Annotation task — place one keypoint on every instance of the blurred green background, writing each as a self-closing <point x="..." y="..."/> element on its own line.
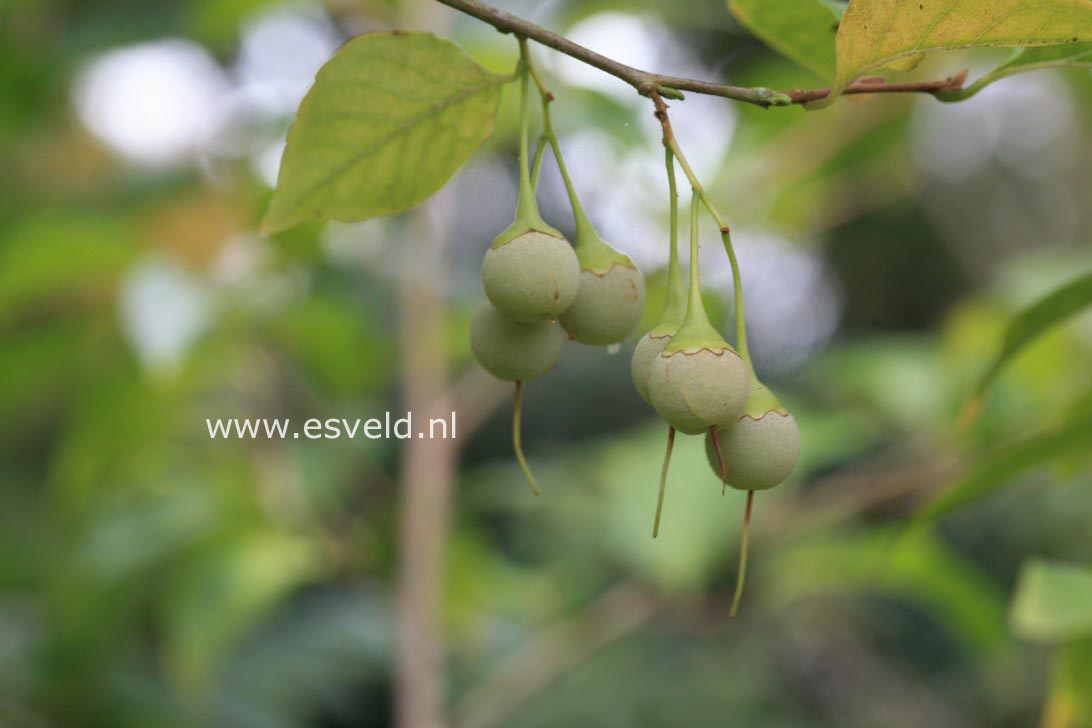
<point x="151" y="576"/>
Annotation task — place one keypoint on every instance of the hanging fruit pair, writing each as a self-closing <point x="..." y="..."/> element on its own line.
<point x="699" y="384"/>
<point x="533" y="277"/>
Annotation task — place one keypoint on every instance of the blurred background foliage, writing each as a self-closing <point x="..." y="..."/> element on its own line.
<point x="152" y="576"/>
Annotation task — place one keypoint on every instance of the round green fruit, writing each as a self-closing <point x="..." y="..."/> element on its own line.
<point x="512" y="350"/>
<point x="607" y="307"/>
<point x="650" y="346"/>
<point x="532" y="276"/>
<point x="759" y="452"/>
<point x="696" y="390"/>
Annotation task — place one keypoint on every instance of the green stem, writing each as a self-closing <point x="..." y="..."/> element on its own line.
<point x="715" y="437"/>
<point x="737" y="291"/>
<point x="696" y="332"/>
<point x="725" y="233"/>
<point x="674" y="311"/>
<point x="673" y="277"/>
<point x="527" y="215"/>
<point x="536" y="164"/>
<point x="741" y="576"/>
<point x="527" y="208"/>
<point x="585" y="231"/>
<point x="516" y="443"/>
<point x="696" y="307"/>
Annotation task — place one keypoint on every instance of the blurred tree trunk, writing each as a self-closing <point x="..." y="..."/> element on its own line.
<point x="427" y="473"/>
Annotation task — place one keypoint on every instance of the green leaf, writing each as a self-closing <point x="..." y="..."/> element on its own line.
<point x="222" y="593"/>
<point x="1032" y="322"/>
<point x="877" y="33"/>
<point x="802" y="30"/>
<point x="389" y="119"/>
<point x="993" y="471"/>
<point x="1071" y="55"/>
<point x="52" y="255"/>
<point x="1053" y="602"/>
<point x="922" y="571"/>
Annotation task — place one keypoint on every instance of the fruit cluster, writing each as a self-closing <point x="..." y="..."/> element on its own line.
<point x="534" y="278"/>
<point x="696" y="381"/>
<point x="699" y="384"/>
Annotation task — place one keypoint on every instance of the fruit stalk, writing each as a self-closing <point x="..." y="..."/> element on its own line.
<point x="720" y="457"/>
<point x="737" y="282"/>
<point x="663" y="480"/>
<point x="741" y="576"/>
<point x="526" y="207"/>
<point x="516" y="444"/>
<point x="673" y="279"/>
<point x="586" y="235"/>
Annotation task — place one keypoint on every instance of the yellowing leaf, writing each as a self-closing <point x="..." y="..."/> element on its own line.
<point x="877" y="33"/>
<point x="802" y="30"/>
<point x="389" y="119"/>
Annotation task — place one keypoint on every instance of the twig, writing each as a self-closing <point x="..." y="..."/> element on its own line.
<point x="643" y="81"/>
<point x="646" y="83"/>
<point x="428" y="474"/>
<point x="876" y="85"/>
<point x="551" y="652"/>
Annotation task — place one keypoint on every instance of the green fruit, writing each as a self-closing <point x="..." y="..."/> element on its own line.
<point x="512" y="350"/>
<point x="648" y="348"/>
<point x="758" y="453"/>
<point x="761" y="448"/>
<point x="698" y="389"/>
<point x="699" y="381"/>
<point x="652" y="344"/>
<point x="531" y="276"/>
<point x="612" y="291"/>
<point x="607" y="307"/>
